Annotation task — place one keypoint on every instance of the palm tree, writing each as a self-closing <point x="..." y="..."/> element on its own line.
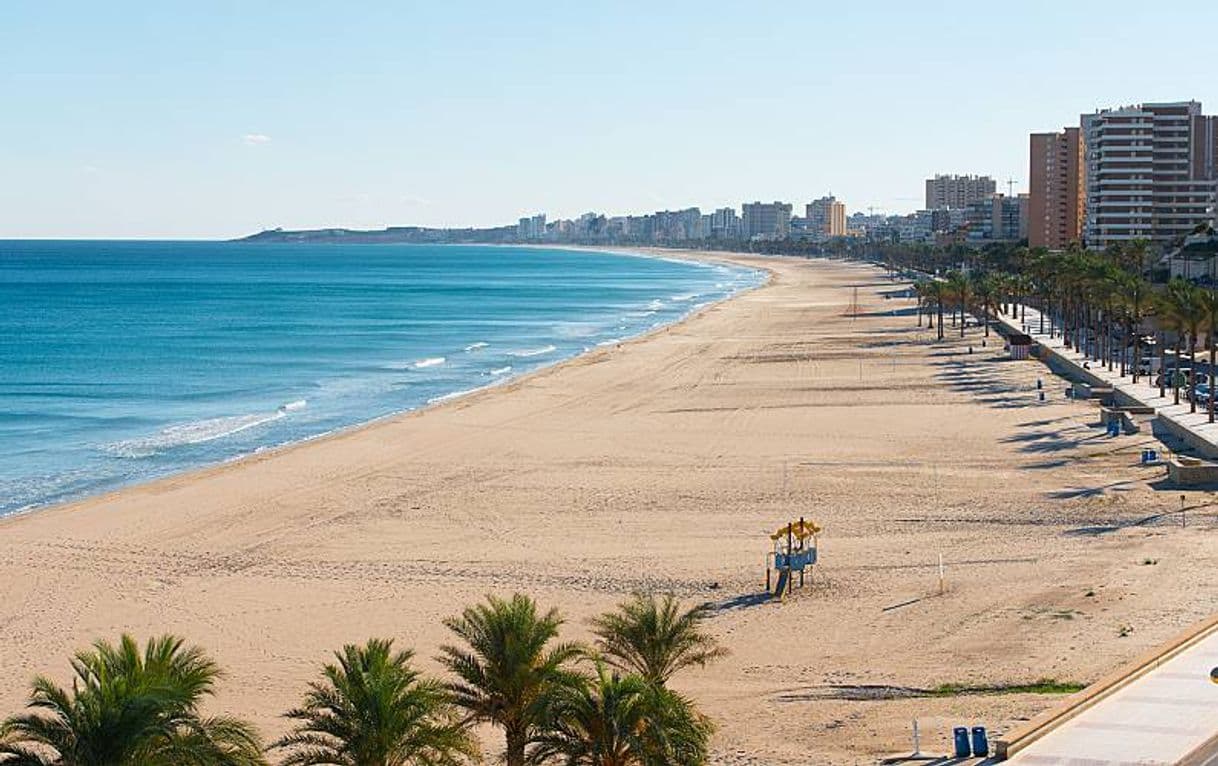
<point x="960" y="289"/>
<point x="1136" y="294"/>
<point x="1187" y="312"/>
<point x="374" y="709"/>
<point x="613" y="720"/>
<point x="129" y="708"/>
<point x="1209" y="307"/>
<point x="986" y="289"/>
<point x="509" y="667"/>
<point x="655" y="637"/>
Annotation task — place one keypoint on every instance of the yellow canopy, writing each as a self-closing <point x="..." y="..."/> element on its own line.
<point x="797" y="529"/>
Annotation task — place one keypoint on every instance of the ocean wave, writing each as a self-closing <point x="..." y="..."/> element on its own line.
<point x="656" y="305"/>
<point x="476" y="346"/>
<point x="683" y="297"/>
<point x="501" y="371"/>
<point x="432" y="362"/>
<point x="299" y="404"/>
<point x="453" y="395"/>
<point x="527" y="352"/>
<point x="185" y="434"/>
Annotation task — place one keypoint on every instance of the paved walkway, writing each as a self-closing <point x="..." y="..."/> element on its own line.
<point x="1143" y="391"/>
<point x="1157" y="719"/>
<point x="1172" y="710"/>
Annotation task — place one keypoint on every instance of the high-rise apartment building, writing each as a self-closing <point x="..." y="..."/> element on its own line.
<point x="998" y="218"/>
<point x="531" y="228"/>
<point x="827" y="217"/>
<point x="957" y="191"/>
<point x="725" y="224"/>
<point x="769" y="220"/>
<point x="1055" y="189"/>
<point x="1150" y="172"/>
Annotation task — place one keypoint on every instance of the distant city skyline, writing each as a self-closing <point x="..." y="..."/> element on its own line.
<point x="182" y="121"/>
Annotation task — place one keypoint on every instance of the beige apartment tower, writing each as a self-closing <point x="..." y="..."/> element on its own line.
<point x="1056" y="189"/>
<point x="827" y="216"/>
<point x="944" y="191"/>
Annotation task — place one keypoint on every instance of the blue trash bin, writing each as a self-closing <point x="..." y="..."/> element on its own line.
<point x="981" y="744"/>
<point x="960" y="735"/>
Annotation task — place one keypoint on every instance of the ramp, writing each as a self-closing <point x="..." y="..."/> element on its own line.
<point x="781" y="590"/>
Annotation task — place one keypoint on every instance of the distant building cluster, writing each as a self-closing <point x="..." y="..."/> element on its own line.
<point x="1148" y="171"/>
<point x="825" y="219"/>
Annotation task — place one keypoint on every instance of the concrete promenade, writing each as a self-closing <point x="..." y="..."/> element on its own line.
<point x="1192" y="428"/>
<point x="1158" y="718"/>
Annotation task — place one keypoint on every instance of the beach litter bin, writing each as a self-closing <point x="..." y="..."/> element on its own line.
<point x="960" y="736"/>
<point x="981" y="744"/>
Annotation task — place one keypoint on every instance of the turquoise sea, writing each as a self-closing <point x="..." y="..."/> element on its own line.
<point x="124" y="361"/>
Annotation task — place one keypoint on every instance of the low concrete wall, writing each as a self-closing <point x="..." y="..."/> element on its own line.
<point x="1186" y="473"/>
<point x="1075" y="373"/>
<point x="1021" y="737"/>
<point x="1129" y="425"/>
<point x="1194" y="442"/>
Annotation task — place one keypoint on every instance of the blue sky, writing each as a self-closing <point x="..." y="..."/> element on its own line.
<point x="215" y="119"/>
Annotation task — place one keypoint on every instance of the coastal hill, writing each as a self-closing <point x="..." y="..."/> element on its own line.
<point x="392" y="234"/>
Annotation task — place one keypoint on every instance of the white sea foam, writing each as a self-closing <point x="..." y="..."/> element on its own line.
<point x="656" y="305"/>
<point x="527" y="352"/>
<point x="432" y="362"/>
<point x="476" y="346"/>
<point x="576" y="329"/>
<point x="683" y="297"/>
<point x="195" y="432"/>
<point x="453" y="395"/>
<point x="299" y="404"/>
<point x="502" y="371"/>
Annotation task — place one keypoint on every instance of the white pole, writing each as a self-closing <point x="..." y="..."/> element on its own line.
<point x="942" y="586"/>
<point x="917" y="740"/>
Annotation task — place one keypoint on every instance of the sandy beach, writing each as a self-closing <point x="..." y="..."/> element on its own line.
<point x="662" y="464"/>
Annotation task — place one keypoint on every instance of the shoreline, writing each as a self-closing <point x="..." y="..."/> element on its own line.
<point x="662" y="465"/>
<point x="443" y="400"/>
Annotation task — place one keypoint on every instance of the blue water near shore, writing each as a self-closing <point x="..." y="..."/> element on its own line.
<point x="124" y="361"/>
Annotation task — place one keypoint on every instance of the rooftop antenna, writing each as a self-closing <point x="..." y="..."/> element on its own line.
<point x="1010" y="186"/>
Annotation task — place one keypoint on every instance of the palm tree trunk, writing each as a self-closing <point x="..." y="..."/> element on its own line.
<point x="1192" y="369"/>
<point x="1162" y="364"/>
<point x="1210" y="399"/>
<point x="1176" y="370"/>
<point x="514" y="752"/>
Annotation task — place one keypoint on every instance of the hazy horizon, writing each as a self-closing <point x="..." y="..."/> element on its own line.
<point x="134" y="120"/>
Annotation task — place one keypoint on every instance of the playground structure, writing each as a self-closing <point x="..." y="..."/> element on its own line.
<point x="795" y="547"/>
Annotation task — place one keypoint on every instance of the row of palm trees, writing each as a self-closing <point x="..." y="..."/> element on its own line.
<point x="555" y="702"/>
<point x="1100" y="304"/>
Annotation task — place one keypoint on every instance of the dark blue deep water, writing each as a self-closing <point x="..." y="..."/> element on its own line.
<point x="122" y="361"/>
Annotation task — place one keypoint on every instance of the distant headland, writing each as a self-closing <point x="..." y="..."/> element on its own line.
<point x="390" y="235"/>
